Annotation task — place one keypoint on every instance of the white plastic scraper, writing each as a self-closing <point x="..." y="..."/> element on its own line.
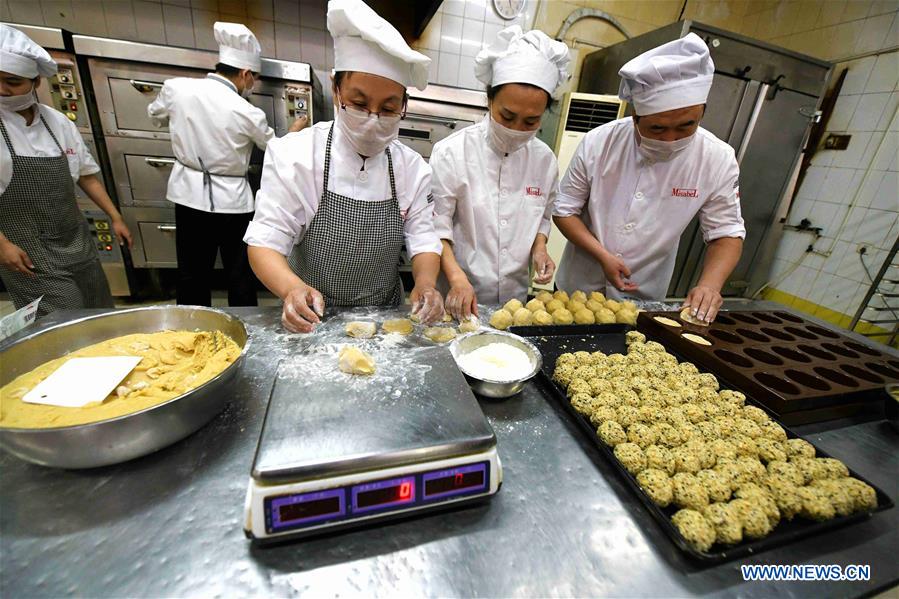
<point x="82" y="381"/>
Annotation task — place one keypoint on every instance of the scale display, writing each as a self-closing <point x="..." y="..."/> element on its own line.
<point x="300" y="510"/>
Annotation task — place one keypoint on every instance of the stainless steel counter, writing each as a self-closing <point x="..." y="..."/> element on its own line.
<point x="564" y="524"/>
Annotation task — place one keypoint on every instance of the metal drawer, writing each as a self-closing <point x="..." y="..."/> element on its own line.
<point x="148" y="176"/>
<point x="158" y="240"/>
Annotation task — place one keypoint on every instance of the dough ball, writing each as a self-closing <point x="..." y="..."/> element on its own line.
<point x="574" y="306"/>
<point x="593" y="305"/>
<point x="660" y="458"/>
<point x="501" y="320"/>
<point x="833" y="467"/>
<point x="657" y="486"/>
<point x="613" y="305"/>
<point x="401" y="326"/>
<point x="596" y="296"/>
<point x="470" y="325"/>
<point x="810" y="468"/>
<point x="604" y="316"/>
<point x="553" y="305"/>
<point x="728" y="528"/>
<point x="562" y="316"/>
<point x="361" y="330"/>
<point x="544" y="296"/>
<point x="631" y="457"/>
<point x="512" y="306"/>
<point x="863" y="495"/>
<point x="629" y="305"/>
<point x="626" y="317"/>
<point x="584" y="316"/>
<point x="579" y="296"/>
<point x="542" y="318"/>
<point x="611" y="433"/>
<point x="785" y="495"/>
<point x="535" y="305"/>
<point x="561" y="296"/>
<point x="634" y="337"/>
<point x="717" y="486"/>
<point x="838" y="495"/>
<point x="695" y="529"/>
<point x="522" y="317"/>
<point x="353" y="360"/>
<point x="799" y="448"/>
<point x="440" y="334"/>
<point x="771" y="451"/>
<point x="816" y="504"/>
<point x="755" y="523"/>
<point x="602" y="413"/>
<point x="786" y="471"/>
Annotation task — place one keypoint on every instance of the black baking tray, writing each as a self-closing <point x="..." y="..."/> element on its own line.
<point x="554" y="341"/>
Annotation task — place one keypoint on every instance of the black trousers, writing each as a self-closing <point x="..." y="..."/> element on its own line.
<point x="199" y="236"/>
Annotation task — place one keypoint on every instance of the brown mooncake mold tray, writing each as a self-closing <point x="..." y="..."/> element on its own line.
<point x="800" y="370"/>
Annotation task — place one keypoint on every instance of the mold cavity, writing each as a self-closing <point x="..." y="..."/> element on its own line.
<point x="697" y="339"/>
<point x="884" y="370"/>
<point x="836" y="377"/>
<point x="862" y="348"/>
<point x="776" y="383"/>
<point x="743" y="317"/>
<point x="753" y="335"/>
<point x="722" y="319"/>
<point x="767" y="317"/>
<point x="725" y="336"/>
<point x="791" y="354"/>
<point x="839" y="349"/>
<point x="893" y="363"/>
<point x="861" y="373"/>
<point x="800" y="333"/>
<point x="762" y="356"/>
<point x="816" y="352"/>
<point x="822" y="331"/>
<point x="788" y="316"/>
<point x="804" y="378"/>
<point x="732" y="358"/>
<point x="777" y="334"/>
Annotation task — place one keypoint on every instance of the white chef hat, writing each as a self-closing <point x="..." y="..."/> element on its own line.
<point x="365" y="42"/>
<point x="238" y="47"/>
<point x="674" y="75"/>
<point x="518" y="57"/>
<point x="20" y="56"/>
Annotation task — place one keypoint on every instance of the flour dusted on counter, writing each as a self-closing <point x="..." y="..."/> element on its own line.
<point x="496" y="362"/>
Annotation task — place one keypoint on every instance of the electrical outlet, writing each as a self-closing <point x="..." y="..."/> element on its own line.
<point x="863" y="248"/>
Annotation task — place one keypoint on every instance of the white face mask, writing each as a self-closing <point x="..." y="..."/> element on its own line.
<point x="368" y="134"/>
<point x="19" y="103"/>
<point x="507" y="140"/>
<point x="661" y="151"/>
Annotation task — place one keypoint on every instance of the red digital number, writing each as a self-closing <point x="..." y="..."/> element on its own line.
<point x="457" y="481"/>
<point x="406" y="490"/>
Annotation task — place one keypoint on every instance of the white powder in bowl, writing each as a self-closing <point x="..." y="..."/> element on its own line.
<point x="496" y="362"/>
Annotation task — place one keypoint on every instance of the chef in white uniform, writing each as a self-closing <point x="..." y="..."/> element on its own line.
<point x="494" y="182"/>
<point x="46" y="249"/>
<point x="634" y="184"/>
<point x="214" y="128"/>
<point x="341" y="198"/>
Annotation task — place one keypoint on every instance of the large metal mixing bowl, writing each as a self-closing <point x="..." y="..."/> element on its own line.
<point x="490" y="388"/>
<point x="133" y="435"/>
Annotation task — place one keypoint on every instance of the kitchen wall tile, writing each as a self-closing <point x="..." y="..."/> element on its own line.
<point x="874" y="227"/>
<point x="824" y="157"/>
<point x="857" y="76"/>
<point x="476" y="9"/>
<point x="856" y="9"/>
<point x="879" y="7"/>
<point x="820" y="291"/>
<point x="89" y="19"/>
<point x="210" y="5"/>
<point x="467" y="78"/>
<point x="430" y="37"/>
<point x="868" y="111"/>
<point x="287" y="41"/>
<point x="472" y="37"/>
<point x="264" y="30"/>
<point x="831" y="12"/>
<point x="892" y="39"/>
<point x="313" y="13"/>
<point x="148" y="19"/>
<point x="836" y="185"/>
<point x="27" y="12"/>
<point x="889" y="112"/>
<point x="812" y="183"/>
<point x="237" y="8"/>
<point x="454" y="7"/>
<point x="491" y="31"/>
<point x="885" y="73"/>
<point x="434" y="55"/>
<point x="842" y="296"/>
<point x="869" y="188"/>
<point x="261" y="9"/>
<point x="203" y="29"/>
<point x="850" y="266"/>
<point x="451" y="34"/>
<point x="809" y="10"/>
<point x="313" y="46"/>
<point x="179" y="29"/>
<point x="844" y="40"/>
<point x="887" y="196"/>
<point x="5" y="13"/>
<point x="58" y="13"/>
<point x="874" y="33"/>
<point x="886" y="153"/>
<point x="286" y="11"/>
<point x="851" y="156"/>
<point x="832" y="264"/>
<point x="843" y="111"/>
<point x="856" y="215"/>
<point x="119" y="16"/>
<point x="448" y="69"/>
<point x="329" y="51"/>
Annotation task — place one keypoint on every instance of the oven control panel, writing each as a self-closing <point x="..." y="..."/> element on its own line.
<point x="67" y="95"/>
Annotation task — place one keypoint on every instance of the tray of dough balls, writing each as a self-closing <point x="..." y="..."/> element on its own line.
<point x="722" y="478"/>
<point x="560" y="309"/>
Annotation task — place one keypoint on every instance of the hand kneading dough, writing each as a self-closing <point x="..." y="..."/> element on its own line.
<point x="545" y="296"/>
<point x="542" y="318"/>
<point x="353" y="360"/>
<point x="361" y="330"/>
<point x="440" y="334"/>
<point x="553" y="305"/>
<point x="535" y="305"/>
<point x="584" y="316"/>
<point x="470" y="326"/>
<point x="605" y="316"/>
<point x="687" y="316"/>
<point x="402" y="326"/>
<point x="447" y="317"/>
<point x="522" y="317"/>
<point x="512" y="306"/>
<point x="562" y="316"/>
<point x="501" y="320"/>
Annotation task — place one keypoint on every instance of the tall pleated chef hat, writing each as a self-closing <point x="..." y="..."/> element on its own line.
<point x="238" y="47"/>
<point x="674" y="75"/>
<point x="519" y="57"/>
<point x="366" y="43"/>
<point x="20" y="56"/>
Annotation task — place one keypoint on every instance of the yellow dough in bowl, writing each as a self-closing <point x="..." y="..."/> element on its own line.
<point x="173" y="363"/>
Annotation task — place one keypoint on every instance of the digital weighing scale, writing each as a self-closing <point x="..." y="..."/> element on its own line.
<point x="338" y="451"/>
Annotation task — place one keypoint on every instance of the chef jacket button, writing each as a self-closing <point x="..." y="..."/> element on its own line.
<point x="363" y="176"/>
<point x="619" y="255"/>
<point x="639" y="195"/>
<point x="503" y="193"/>
<point x="503" y="222"/>
<point x="505" y="251"/>
<point x="629" y="226"/>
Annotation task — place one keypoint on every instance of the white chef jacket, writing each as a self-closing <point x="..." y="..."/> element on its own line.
<point x="491" y="206"/>
<point x="293" y="178"/>
<point x="637" y="208"/>
<point x="35" y="140"/>
<point x="209" y="120"/>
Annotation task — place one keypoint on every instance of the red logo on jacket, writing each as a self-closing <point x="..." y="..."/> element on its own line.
<point x="679" y="192"/>
<point x="533" y="191"/>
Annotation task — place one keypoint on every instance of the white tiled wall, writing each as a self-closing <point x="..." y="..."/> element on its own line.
<point x="457" y="33"/>
<point x="852" y="194"/>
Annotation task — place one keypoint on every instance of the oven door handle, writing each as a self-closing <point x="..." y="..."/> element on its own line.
<point x="166" y="228"/>
<point x="450" y="123"/>
<point x="144" y="87"/>
<point x="160" y="162"/>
